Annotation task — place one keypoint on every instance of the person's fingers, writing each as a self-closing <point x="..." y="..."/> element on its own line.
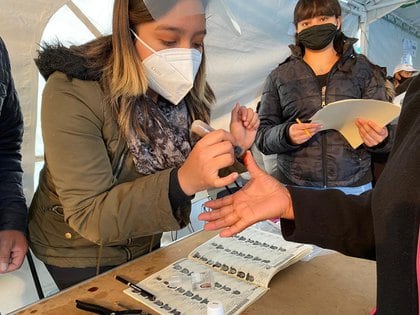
<point x="364" y="132"/>
<point x="3" y="267"/>
<point x="314" y="128"/>
<point x="376" y="132"/>
<point x="254" y="122"/>
<point x="225" y="181"/>
<point x="299" y="134"/>
<point x="367" y="139"/>
<point x="215" y="137"/>
<point x="234" y="222"/>
<point x="16" y="261"/>
<point x="226" y="217"/>
<point x="371" y="127"/>
<point x="13" y="247"/>
<point x="245" y="115"/>
<point x="208" y="215"/>
<point x="232" y="230"/>
<point x="221" y="152"/>
<point x="376" y="128"/>
<point x="371" y="133"/>
<point x="216" y="204"/>
<point x="248" y="116"/>
<point x="5" y="250"/>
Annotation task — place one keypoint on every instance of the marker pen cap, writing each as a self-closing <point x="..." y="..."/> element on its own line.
<point x="215" y="308"/>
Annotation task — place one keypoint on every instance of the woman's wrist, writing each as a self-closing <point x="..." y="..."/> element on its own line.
<point x="183" y="181"/>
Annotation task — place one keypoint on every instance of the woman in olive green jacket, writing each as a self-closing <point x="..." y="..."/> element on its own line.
<point x="121" y="166"/>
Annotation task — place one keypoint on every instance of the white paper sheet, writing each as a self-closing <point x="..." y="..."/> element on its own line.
<point x="341" y="116"/>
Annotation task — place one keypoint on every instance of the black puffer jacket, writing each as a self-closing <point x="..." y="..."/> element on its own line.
<point x="13" y="210"/>
<point x="292" y="91"/>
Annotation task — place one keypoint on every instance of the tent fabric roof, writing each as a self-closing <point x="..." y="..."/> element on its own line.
<point x="404" y="13"/>
<point x="410" y="14"/>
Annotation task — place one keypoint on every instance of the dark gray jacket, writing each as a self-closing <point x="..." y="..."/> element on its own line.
<point x="13" y="210"/>
<point x="292" y="91"/>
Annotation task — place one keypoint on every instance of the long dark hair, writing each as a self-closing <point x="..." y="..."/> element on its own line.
<point x="307" y="9"/>
<point x="114" y="58"/>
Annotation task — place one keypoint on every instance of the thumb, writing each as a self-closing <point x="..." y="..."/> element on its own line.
<point x="234" y="115"/>
<point x="251" y="165"/>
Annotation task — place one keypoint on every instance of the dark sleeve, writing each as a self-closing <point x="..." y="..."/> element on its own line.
<point x="180" y="202"/>
<point x="13" y="210"/>
<point x="272" y="135"/>
<point x="331" y="219"/>
<point x="401" y="88"/>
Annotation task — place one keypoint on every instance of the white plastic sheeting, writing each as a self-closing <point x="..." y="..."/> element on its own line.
<point x="237" y="65"/>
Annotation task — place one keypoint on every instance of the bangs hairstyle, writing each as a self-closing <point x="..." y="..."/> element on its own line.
<point x="307" y="9"/>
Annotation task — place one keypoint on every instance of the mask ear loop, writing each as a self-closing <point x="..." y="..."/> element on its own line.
<point x="141" y="41"/>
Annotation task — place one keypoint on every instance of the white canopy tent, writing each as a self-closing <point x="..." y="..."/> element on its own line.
<point x="238" y="64"/>
<point x="389" y="31"/>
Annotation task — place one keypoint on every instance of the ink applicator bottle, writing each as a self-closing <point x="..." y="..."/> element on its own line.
<point x="200" y="128"/>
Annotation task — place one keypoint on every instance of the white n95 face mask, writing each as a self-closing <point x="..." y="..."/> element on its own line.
<point x="171" y="72"/>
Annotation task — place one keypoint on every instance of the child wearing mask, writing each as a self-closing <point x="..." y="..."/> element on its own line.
<point x="121" y="165"/>
<point x="322" y="68"/>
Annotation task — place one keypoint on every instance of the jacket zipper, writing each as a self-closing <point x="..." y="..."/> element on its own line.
<point x="323" y="102"/>
<point x="324" y="139"/>
<point x="323" y="93"/>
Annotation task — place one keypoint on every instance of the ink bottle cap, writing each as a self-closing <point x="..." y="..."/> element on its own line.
<point x="215" y="308"/>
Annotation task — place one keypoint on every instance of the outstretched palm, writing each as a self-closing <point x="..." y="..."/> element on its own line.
<point x="263" y="197"/>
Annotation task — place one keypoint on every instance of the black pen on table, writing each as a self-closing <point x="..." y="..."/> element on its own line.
<point x="135" y="287"/>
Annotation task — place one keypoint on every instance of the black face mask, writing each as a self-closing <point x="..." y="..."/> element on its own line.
<point x="317" y="37"/>
<point x="402" y="79"/>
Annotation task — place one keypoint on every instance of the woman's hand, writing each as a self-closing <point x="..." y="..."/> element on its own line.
<point x="201" y="169"/>
<point x="244" y="123"/>
<point x="13" y="248"/>
<point x="301" y="132"/>
<point x="371" y="133"/>
<point x="263" y="197"/>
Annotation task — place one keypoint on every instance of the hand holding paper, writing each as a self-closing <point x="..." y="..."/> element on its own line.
<point x="371" y="133"/>
<point x="342" y="115"/>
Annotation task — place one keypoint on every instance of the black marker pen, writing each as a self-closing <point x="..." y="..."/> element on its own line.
<point x="136" y="288"/>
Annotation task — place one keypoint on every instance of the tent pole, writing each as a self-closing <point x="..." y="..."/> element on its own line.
<point x="364" y="35"/>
